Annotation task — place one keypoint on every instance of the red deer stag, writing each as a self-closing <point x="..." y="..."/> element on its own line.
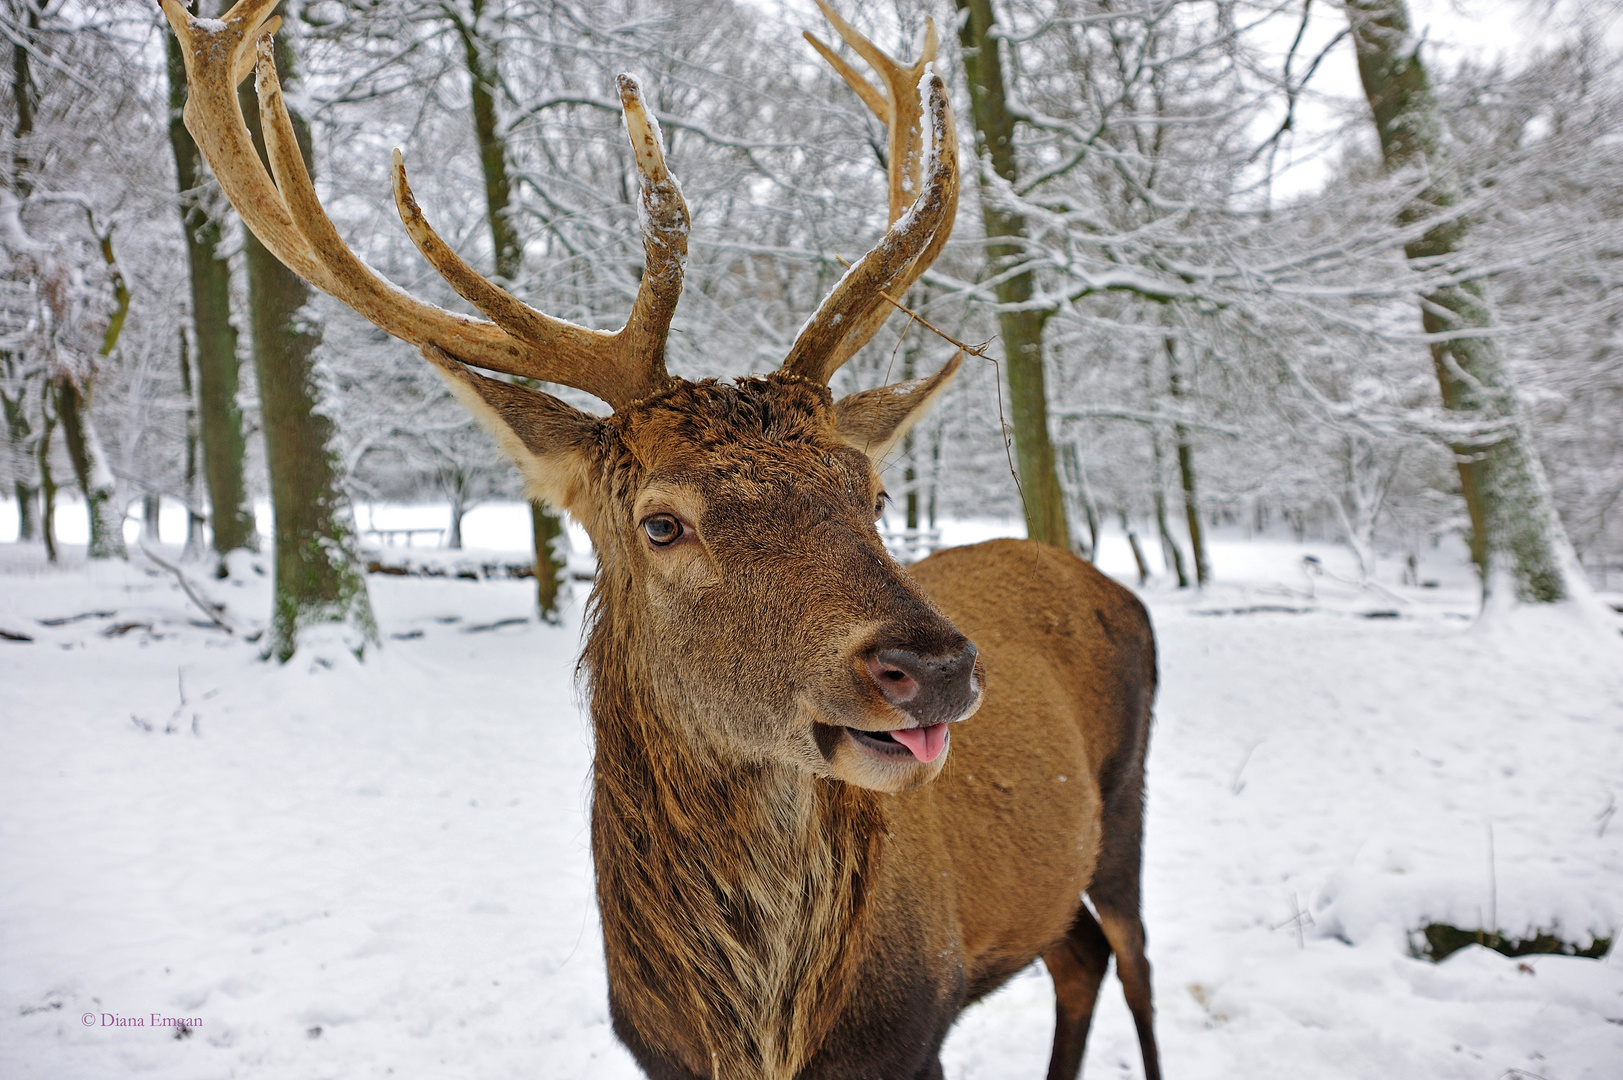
<point x="791" y="883"/>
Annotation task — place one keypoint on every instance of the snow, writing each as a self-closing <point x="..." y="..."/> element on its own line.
<point x="365" y="869"/>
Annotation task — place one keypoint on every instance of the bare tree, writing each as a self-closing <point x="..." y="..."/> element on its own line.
<point x="479" y="49"/>
<point x="219" y="420"/>
<point x="318" y="580"/>
<point x="1007" y="264"/>
<point x="1517" y="538"/>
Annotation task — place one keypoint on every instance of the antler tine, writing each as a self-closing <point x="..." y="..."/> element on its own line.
<point x="897" y="106"/>
<point x="664" y="219"/>
<point x="288" y="218"/>
<point x="855" y="310"/>
<point x="631" y="362"/>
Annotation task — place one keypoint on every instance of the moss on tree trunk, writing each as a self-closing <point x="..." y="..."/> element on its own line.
<point x="317" y="578"/>
<point x="1021" y="327"/>
<point x="549" y="565"/>
<point x="90" y="468"/>
<point x="1516" y="536"/>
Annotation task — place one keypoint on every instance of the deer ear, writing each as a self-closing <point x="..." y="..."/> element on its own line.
<point x="874" y="421"/>
<point x="547" y="439"/>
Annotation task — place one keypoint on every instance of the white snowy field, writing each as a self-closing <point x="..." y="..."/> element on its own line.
<point x="349" y="870"/>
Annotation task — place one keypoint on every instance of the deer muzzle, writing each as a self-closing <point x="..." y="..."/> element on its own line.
<point x="931" y="690"/>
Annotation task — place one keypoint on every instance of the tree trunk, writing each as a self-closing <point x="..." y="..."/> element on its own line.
<point x="1077" y="494"/>
<point x="1191" y="506"/>
<point x="18" y="429"/>
<point x="47" y="482"/>
<point x="1138" y="549"/>
<point x="935" y="471"/>
<point x="194" y="520"/>
<point x="910" y="469"/>
<point x="219" y="421"/>
<point x="548" y="533"/>
<point x="455" y="485"/>
<point x="509" y="259"/>
<point x="1170" y="552"/>
<point x="85" y="449"/>
<point x="1516" y="536"/>
<point x="151" y="511"/>
<point x="21" y="435"/>
<point x="22" y="92"/>
<point x="1186" y="474"/>
<point x="1022" y="328"/>
<point x="317" y="579"/>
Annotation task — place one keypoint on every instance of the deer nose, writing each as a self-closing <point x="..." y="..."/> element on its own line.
<point x="930" y="689"/>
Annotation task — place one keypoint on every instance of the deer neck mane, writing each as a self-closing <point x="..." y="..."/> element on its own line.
<point x="734" y="899"/>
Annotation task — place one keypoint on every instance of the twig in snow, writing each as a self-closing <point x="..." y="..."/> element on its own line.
<point x="497" y="625"/>
<point x="180" y="680"/>
<point x="1237" y="785"/>
<point x="69" y="620"/>
<point x="208" y="608"/>
<point x="1299" y="919"/>
<point x="1605" y="816"/>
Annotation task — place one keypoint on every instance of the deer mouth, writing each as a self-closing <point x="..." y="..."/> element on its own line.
<point x="926" y="743"/>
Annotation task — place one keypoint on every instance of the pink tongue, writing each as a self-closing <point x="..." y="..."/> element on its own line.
<point x="925" y="742"/>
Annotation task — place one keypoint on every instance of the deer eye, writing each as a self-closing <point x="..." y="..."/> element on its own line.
<point x="663" y="529"/>
<point x="879" y="505"/>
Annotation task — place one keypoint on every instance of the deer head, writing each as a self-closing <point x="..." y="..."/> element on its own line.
<point x="744" y="599"/>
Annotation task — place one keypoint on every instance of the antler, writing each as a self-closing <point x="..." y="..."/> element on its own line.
<point x="920" y="220"/>
<point x="620" y="367"/>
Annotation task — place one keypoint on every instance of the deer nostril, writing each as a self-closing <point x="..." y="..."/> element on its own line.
<point x="931" y="689"/>
<point x="896" y="684"/>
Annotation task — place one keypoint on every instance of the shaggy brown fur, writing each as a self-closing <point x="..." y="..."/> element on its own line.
<point x="769" y="908"/>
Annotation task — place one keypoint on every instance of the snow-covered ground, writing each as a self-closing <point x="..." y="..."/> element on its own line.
<point x="382" y="868"/>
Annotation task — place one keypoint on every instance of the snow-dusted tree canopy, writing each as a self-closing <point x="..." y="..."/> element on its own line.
<point x="1201" y="297"/>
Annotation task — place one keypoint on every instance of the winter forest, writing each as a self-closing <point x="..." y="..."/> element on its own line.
<point x="1303" y="319"/>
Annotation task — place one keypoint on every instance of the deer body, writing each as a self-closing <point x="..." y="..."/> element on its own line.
<point x="858" y="924"/>
<point x="807" y="865"/>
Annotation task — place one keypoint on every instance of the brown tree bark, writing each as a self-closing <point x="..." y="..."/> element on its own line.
<point x="22" y="92"/>
<point x="24" y="442"/>
<point x="1186" y="473"/>
<point x="1517" y="538"/>
<point x="1138" y="550"/>
<point x="1191" y="506"/>
<point x="90" y="469"/>
<point x="20" y="433"/>
<point x="151" y="512"/>
<point x="1021" y="327"/>
<point x="547" y="529"/>
<point x="47" y="482"/>
<point x="85" y="451"/>
<point x="194" y="520"/>
<point x="509" y="258"/>
<point x="219" y="421"/>
<point x="317" y="578"/>
<point x="1171" y="554"/>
